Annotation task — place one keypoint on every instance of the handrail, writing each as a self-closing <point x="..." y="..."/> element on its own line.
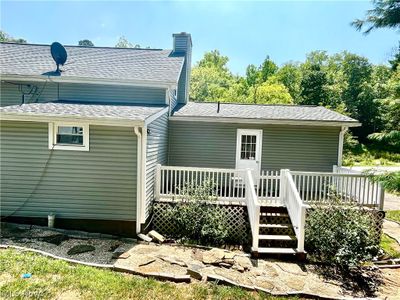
<point x="295" y="206"/>
<point x="322" y="187"/>
<point x="253" y="208"/>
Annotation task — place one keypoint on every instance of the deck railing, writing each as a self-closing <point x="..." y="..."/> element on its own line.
<point x="253" y="208"/>
<point x="268" y="187"/>
<point x="173" y="182"/>
<point x="295" y="206"/>
<point x="320" y="187"/>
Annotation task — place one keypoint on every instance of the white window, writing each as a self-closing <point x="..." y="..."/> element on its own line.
<point x="69" y="136"/>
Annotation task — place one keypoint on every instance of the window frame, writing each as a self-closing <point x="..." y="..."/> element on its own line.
<point x="53" y="130"/>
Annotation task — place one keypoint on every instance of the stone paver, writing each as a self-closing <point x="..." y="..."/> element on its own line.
<point x="268" y="275"/>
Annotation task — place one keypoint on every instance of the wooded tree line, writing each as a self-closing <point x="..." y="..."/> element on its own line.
<point x="345" y="82"/>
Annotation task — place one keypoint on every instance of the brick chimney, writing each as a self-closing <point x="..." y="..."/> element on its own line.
<point x="183" y="47"/>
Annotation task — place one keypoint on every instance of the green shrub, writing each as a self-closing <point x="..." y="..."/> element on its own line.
<point x="197" y="218"/>
<point x="389" y="180"/>
<point x="340" y="234"/>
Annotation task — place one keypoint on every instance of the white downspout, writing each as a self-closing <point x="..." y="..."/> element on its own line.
<point x="138" y="178"/>
<point x="143" y="171"/>
<point x="340" y="146"/>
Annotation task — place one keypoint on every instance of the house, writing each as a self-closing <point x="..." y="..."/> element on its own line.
<point x="98" y="142"/>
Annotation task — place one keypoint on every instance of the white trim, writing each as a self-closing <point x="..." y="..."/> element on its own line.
<point x="259" y="134"/>
<point x="6" y="116"/>
<point x="72" y="79"/>
<point x="155" y="116"/>
<point x="340" y="145"/>
<point x="52" y="137"/>
<point x="263" y="121"/>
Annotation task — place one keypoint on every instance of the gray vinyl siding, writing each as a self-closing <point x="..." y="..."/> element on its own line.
<point x="97" y="184"/>
<point x="157" y="150"/>
<point x="300" y="148"/>
<point x="50" y="91"/>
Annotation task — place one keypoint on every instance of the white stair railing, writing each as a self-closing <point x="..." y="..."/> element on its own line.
<point x="295" y="206"/>
<point x="253" y="208"/>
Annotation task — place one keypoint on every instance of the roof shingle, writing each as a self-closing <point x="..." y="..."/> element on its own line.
<point x="83" y="111"/>
<point x="260" y="112"/>
<point x="153" y="65"/>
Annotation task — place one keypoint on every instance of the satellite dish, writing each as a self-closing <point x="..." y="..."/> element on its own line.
<point x="59" y="54"/>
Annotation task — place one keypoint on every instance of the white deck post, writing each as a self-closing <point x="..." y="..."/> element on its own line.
<point x="157" y="183"/>
<point x="381" y="196"/>
<point x="302" y="223"/>
<point x="283" y="187"/>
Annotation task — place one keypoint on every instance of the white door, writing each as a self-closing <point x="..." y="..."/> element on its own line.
<point x="248" y="150"/>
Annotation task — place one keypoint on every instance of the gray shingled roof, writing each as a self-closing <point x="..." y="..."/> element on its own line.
<point x="261" y="112"/>
<point x="82" y="111"/>
<point x="153" y="65"/>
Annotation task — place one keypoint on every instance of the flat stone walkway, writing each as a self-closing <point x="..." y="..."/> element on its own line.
<point x="272" y="276"/>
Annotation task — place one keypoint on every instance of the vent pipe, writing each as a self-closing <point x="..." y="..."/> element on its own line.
<point x="218" y="106"/>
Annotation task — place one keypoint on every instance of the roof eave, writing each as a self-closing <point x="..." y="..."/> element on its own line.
<point x="73" y="79"/>
<point x="266" y="121"/>
<point x="45" y="118"/>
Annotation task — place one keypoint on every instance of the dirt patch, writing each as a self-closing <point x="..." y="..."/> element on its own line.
<point x="390" y="288"/>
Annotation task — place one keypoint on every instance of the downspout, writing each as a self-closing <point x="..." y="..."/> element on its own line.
<point x="138" y="178"/>
<point x="340" y="146"/>
<point x="141" y="176"/>
<point x="143" y="170"/>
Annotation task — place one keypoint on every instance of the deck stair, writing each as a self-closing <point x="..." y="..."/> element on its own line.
<point x="276" y="234"/>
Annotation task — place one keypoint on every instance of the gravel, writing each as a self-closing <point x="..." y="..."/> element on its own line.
<point x="30" y="236"/>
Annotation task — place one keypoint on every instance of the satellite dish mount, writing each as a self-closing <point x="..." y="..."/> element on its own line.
<point x="59" y="55"/>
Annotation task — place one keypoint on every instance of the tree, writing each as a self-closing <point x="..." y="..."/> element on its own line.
<point x="211" y="79"/>
<point x="267" y="68"/>
<point x="290" y="76"/>
<point x="269" y="93"/>
<point x="86" y="43"/>
<point x="4" y="37"/>
<point x="124" y="43"/>
<point x="386" y="14"/>
<point x="395" y="62"/>
<point x="313" y="85"/>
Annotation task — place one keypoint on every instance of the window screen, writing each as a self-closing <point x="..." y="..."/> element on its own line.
<point x="70" y="135"/>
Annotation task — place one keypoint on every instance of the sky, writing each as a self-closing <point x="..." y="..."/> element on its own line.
<point x="245" y="31"/>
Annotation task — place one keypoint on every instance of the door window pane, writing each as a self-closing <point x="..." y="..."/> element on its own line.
<point x="248" y="147"/>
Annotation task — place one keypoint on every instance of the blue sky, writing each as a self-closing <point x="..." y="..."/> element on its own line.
<point x="244" y="31"/>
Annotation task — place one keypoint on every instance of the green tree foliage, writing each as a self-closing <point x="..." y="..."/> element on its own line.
<point x="87" y="43"/>
<point x="385" y="14"/>
<point x="124" y="43"/>
<point x="269" y="93"/>
<point x="4" y="37"/>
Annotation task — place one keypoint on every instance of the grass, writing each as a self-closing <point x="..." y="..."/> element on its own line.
<point x="369" y="155"/>
<point x="393" y="215"/>
<point x="390" y="246"/>
<point x="52" y="278"/>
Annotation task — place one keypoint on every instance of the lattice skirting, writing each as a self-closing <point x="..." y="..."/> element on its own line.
<point x="239" y="231"/>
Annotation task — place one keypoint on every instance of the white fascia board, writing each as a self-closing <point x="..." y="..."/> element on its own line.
<point x="155" y="116"/>
<point x="71" y="79"/>
<point x="49" y="118"/>
<point x="263" y="121"/>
